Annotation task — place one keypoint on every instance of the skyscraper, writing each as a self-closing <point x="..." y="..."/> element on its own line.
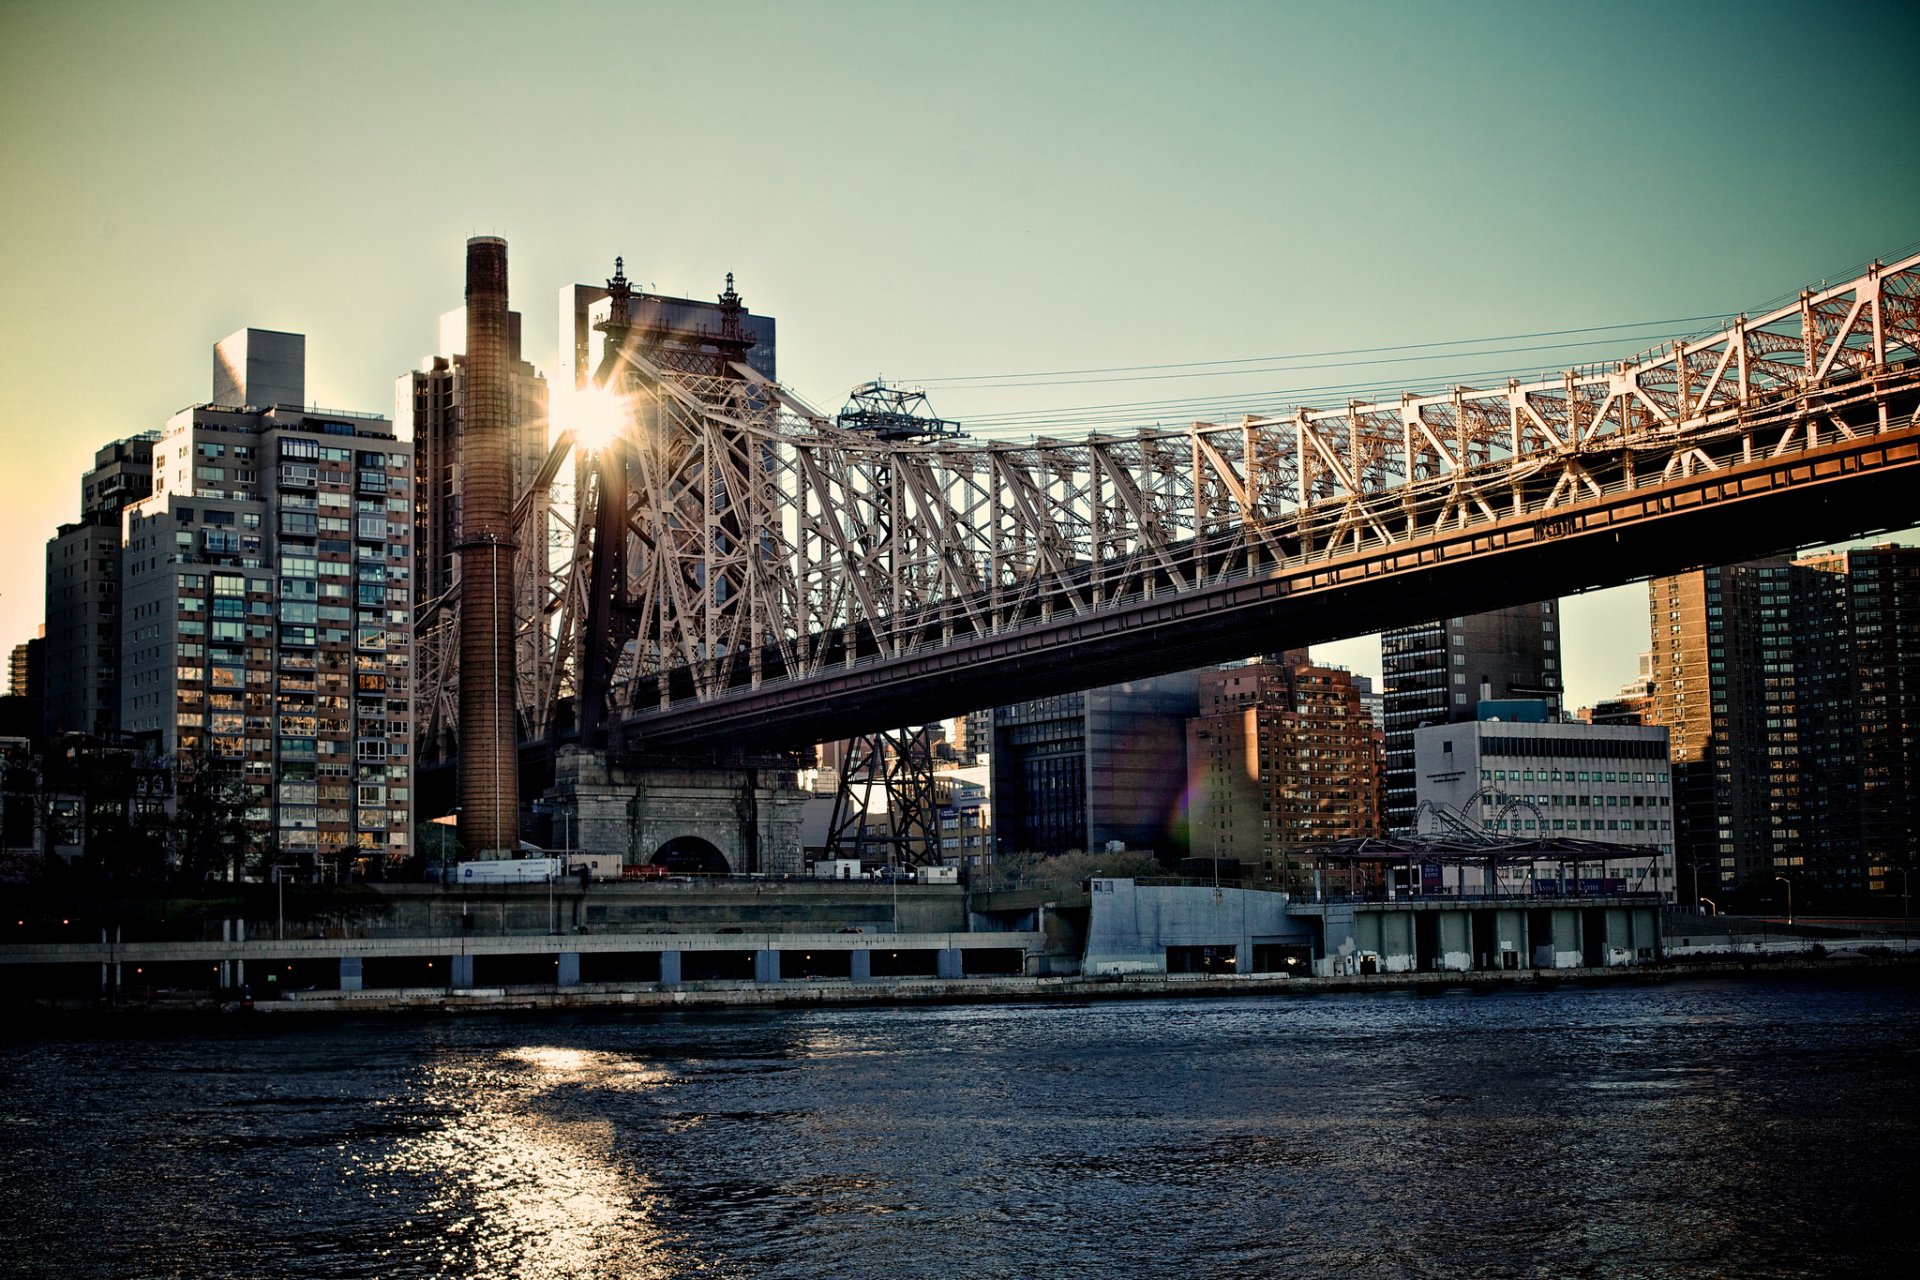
<point x="266" y="613"/>
<point x="1439" y="672"/>
<point x="83" y="592"/>
<point x="1790" y="689"/>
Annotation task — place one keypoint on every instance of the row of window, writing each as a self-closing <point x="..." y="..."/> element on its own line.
<point x="1573" y="775"/>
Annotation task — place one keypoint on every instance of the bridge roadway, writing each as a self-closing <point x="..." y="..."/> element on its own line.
<point x="1841" y="461"/>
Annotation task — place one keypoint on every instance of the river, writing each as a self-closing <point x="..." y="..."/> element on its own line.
<point x="1751" y="1127"/>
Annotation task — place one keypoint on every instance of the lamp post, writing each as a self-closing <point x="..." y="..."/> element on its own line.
<point x="280" y="899"/>
<point x="1783" y="880"/>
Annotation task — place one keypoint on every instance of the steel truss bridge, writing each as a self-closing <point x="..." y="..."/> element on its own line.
<point x="735" y="568"/>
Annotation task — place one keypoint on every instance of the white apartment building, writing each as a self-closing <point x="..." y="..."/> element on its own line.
<point x="267" y="609"/>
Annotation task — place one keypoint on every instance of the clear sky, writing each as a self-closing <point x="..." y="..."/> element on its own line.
<point x="930" y="192"/>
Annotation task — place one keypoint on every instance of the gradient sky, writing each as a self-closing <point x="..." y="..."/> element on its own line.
<point x="927" y="192"/>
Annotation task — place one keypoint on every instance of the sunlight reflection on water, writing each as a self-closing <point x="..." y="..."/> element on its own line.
<point x="518" y="1191"/>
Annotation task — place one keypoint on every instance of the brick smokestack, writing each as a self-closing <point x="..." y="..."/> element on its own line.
<point x="489" y="738"/>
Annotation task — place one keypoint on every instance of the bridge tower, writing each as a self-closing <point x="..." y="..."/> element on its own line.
<point x="656" y="556"/>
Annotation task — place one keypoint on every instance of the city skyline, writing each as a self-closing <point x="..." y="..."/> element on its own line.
<point x="926" y="196"/>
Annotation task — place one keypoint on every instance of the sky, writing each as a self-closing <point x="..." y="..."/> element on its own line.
<point x="947" y="194"/>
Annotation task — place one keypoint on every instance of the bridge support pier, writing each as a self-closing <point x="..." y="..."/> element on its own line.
<point x="947" y="963"/>
<point x="860" y="966"/>
<point x="352" y="975"/>
<point x="669" y="968"/>
<point x="748" y="814"/>
<point x="460" y="973"/>
<point x="567" y="972"/>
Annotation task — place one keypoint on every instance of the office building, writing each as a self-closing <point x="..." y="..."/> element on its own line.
<point x="1605" y="784"/>
<point x="1094" y="770"/>
<point x="266" y="612"/>
<point x="82" y="629"/>
<point x="1283" y="756"/>
<point x="1439" y="672"/>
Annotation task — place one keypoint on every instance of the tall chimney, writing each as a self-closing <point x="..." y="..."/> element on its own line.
<point x="489" y="746"/>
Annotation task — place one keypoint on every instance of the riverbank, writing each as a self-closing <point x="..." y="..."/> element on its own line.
<point x="909" y="992"/>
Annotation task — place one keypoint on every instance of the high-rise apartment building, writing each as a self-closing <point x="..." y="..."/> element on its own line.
<point x="266" y="616"/>
<point x="1439" y="672"/>
<point x="1086" y="770"/>
<point x="82" y="630"/>
<point x="1284" y="755"/>
<point x="27" y="667"/>
<point x="1790" y="689"/>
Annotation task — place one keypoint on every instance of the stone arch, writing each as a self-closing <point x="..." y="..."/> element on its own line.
<point x="691" y="855"/>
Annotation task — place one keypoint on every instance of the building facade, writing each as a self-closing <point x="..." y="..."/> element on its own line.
<point x="267" y="616"/>
<point x="1439" y="672"/>
<point x="82" y="630"/>
<point x="1085" y="771"/>
<point x="1610" y="784"/>
<point x="1283" y="756"/>
<point x="1790" y="689"/>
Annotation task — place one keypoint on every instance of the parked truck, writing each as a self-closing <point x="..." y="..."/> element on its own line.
<point x="508" y="871"/>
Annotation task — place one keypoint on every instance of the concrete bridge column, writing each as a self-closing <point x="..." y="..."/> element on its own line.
<point x="947" y="962"/>
<point x="669" y="968"/>
<point x="1397" y="952"/>
<point x="1510" y="937"/>
<point x="568" y="971"/>
<point x="1566" y="939"/>
<point x="860" y="966"/>
<point x="352" y="976"/>
<point x="1619" y="935"/>
<point x="1455" y="934"/>
<point x="766" y="966"/>
<point x="461" y="973"/>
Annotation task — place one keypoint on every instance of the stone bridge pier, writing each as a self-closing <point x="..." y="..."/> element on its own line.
<point x="746" y="814"/>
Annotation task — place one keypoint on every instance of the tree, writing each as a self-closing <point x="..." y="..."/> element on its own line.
<point x="207" y="836"/>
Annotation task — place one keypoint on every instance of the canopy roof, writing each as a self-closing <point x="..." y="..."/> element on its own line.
<point x="1458" y="847"/>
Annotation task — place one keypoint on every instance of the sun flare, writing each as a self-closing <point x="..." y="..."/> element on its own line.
<point x="597" y="417"/>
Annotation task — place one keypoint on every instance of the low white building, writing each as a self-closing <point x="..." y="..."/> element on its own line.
<point x="1610" y="784"/>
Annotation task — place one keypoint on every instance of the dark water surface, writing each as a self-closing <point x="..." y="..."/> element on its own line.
<point x="1750" y="1128"/>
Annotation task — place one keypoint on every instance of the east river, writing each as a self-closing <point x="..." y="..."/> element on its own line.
<point x="1704" y="1128"/>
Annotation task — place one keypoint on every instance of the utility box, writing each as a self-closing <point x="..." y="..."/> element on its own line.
<point x="837" y="869"/>
<point x="598" y="866"/>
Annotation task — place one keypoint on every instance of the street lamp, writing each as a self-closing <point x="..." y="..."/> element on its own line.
<point x="1783" y="880"/>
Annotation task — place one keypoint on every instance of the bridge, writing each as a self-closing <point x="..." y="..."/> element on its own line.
<point x="747" y="569"/>
<point x="736" y="575"/>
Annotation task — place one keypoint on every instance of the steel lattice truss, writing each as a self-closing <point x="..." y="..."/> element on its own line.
<point x="757" y="542"/>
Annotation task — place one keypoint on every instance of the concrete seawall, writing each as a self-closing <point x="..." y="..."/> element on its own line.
<point x="935" y="991"/>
